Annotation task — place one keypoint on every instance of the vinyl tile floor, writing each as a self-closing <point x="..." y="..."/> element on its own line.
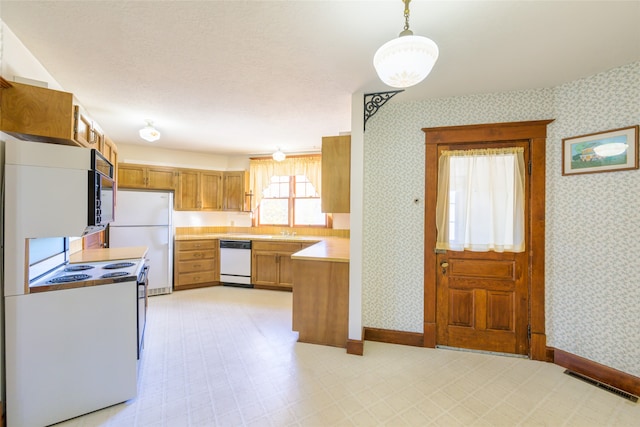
<point x="225" y="356"/>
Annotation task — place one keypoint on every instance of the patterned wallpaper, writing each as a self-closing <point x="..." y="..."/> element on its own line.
<point x="593" y="236"/>
<point x="393" y="274"/>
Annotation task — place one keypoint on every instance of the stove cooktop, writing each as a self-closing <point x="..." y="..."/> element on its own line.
<point x="67" y="278"/>
<point x="101" y="272"/>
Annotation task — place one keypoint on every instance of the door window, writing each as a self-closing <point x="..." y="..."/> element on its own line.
<point x="480" y="204"/>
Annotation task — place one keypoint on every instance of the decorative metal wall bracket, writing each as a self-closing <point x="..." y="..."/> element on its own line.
<point x="373" y="102"/>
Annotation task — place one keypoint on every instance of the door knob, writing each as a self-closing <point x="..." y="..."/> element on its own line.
<point x="444" y="266"/>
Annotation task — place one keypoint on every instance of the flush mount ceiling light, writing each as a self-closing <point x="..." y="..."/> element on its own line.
<point x="407" y="60"/>
<point x="279" y="156"/>
<point x="149" y="133"/>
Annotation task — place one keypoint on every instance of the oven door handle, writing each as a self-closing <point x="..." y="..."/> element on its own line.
<point x="143" y="274"/>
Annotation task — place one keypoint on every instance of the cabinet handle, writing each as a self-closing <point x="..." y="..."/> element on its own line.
<point x="196" y="266"/>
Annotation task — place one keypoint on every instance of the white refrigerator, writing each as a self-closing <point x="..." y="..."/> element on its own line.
<point x="143" y="218"/>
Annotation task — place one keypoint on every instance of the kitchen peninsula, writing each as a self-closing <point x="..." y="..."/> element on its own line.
<point x="321" y="293"/>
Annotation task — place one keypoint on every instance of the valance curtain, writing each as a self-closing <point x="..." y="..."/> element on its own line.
<point x="480" y="205"/>
<point x="261" y="171"/>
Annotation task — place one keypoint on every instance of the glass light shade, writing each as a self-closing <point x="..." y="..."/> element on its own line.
<point x="149" y="133"/>
<point x="279" y="156"/>
<point x="405" y="61"/>
<point x="610" y="149"/>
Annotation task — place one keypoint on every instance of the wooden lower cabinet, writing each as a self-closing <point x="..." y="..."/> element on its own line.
<point x="196" y="264"/>
<point x="271" y="266"/>
<point x="321" y="302"/>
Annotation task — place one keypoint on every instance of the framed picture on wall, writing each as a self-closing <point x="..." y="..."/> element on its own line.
<point x="612" y="150"/>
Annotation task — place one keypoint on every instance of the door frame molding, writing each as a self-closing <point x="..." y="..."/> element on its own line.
<point x="536" y="133"/>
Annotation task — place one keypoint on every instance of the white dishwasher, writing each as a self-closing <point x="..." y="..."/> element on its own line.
<point x="235" y="263"/>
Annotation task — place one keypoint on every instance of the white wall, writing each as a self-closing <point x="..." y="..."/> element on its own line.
<point x="592" y="297"/>
<point x="18" y="61"/>
<point x="150" y="154"/>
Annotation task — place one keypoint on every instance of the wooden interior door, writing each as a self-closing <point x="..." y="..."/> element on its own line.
<point x="482" y="297"/>
<point x="487" y="301"/>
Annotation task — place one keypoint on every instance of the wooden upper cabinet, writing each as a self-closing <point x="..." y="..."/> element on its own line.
<point x="235" y="186"/>
<point x="109" y="150"/>
<point x="187" y="191"/>
<point x="145" y="176"/>
<point x="94" y="241"/>
<point x="34" y="113"/>
<point x="199" y="190"/>
<point x="210" y="191"/>
<point x="336" y="174"/>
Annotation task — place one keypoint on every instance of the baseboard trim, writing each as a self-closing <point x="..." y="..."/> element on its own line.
<point x="355" y="347"/>
<point x="394" y="337"/>
<point x="550" y="354"/>
<point x="604" y="374"/>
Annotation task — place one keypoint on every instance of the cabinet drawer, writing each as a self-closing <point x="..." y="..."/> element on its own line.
<point x="188" y="245"/>
<point x="194" y="266"/>
<point x="196" y="255"/>
<point x="198" y="277"/>
<point x="276" y="246"/>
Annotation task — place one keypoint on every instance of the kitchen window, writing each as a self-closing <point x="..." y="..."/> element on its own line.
<point x="291" y="201"/>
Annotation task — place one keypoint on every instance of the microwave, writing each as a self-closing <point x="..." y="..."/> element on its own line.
<point x="102" y="193"/>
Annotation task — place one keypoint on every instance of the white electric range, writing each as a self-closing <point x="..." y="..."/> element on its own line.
<point x="77" y="327"/>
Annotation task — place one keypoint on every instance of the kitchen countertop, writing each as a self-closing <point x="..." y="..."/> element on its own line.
<point x="326" y="248"/>
<point x="107" y="254"/>
<point x="334" y="249"/>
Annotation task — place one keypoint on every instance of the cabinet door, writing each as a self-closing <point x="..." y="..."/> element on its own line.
<point x="234" y="191"/>
<point x="131" y="176"/>
<point x="109" y="150"/>
<point x="160" y="178"/>
<point x="211" y="191"/>
<point x="264" y="268"/>
<point x="336" y="174"/>
<point x="97" y="137"/>
<point x="285" y="270"/>
<point x="38" y="114"/>
<point x="94" y="241"/>
<point x="83" y="128"/>
<point x="187" y="196"/>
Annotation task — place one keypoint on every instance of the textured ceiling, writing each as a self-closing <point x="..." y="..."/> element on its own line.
<point x="245" y="77"/>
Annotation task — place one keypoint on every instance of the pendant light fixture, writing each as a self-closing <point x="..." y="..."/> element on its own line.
<point x="279" y="156"/>
<point x="406" y="60"/>
<point x="149" y="133"/>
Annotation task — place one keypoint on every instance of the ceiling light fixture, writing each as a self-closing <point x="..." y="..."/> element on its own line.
<point x="279" y="156"/>
<point x="149" y="133"/>
<point x="407" y="60"/>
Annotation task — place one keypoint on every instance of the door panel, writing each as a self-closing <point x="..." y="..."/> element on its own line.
<point x="482" y="301"/>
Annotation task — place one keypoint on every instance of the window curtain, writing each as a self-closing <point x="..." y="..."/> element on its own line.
<point x="261" y="171"/>
<point x="480" y="205"/>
